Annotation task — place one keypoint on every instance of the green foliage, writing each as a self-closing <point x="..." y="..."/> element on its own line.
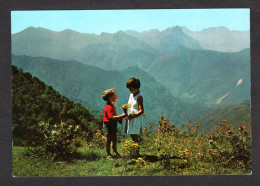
<point x="163" y="151"/>
<point x="34" y="103"/>
<point x="130" y="149"/>
<point x="98" y="140"/>
<point x="61" y="140"/>
<point x="223" y="147"/>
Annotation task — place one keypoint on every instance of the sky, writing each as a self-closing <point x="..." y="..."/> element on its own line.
<point x="111" y="21"/>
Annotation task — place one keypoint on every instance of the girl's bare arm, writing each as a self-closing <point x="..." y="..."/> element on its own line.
<point x="140" y="106"/>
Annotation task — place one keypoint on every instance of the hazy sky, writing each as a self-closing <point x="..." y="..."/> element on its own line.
<point x="111" y="21"/>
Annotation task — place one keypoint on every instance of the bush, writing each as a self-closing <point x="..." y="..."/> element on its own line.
<point x="130" y="149"/>
<point x="98" y="140"/>
<point x="225" y="147"/>
<point x="61" y="140"/>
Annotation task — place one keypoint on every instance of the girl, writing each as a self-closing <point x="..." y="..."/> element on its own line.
<point x="135" y="118"/>
<point x="110" y="119"/>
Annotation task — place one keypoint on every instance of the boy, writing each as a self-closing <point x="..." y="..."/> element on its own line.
<point x="110" y="119"/>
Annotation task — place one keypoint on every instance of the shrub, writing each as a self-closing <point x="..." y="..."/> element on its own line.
<point x="98" y="140"/>
<point x="225" y="147"/>
<point x="61" y="140"/>
<point x="130" y="149"/>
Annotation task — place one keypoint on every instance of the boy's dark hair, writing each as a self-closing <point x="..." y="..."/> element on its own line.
<point x="134" y="83"/>
<point x="108" y="93"/>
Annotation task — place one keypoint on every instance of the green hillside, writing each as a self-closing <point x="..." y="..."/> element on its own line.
<point x="236" y="115"/>
<point x="83" y="82"/>
<point x="34" y="102"/>
<point x="204" y="76"/>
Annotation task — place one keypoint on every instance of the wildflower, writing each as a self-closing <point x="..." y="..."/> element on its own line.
<point x="145" y="129"/>
<point x="125" y="106"/>
<point x="203" y="170"/>
<point x="241" y="164"/>
<point x="241" y="127"/>
<point x="188" y="126"/>
<point x="140" y="161"/>
<point x="40" y="124"/>
<point x="176" y="130"/>
<point x="197" y="124"/>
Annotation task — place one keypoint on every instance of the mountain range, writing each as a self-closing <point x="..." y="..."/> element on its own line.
<point x="221" y="39"/>
<point x="172" y="57"/>
<point x="166" y="41"/>
<point x="85" y="84"/>
<point x="204" y="76"/>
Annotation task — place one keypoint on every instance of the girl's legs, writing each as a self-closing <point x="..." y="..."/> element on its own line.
<point x="135" y="138"/>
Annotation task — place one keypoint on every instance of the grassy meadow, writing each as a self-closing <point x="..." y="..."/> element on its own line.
<point x="163" y="151"/>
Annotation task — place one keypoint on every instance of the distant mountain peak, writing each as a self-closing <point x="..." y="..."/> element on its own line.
<point x="175" y="29"/>
<point x="69" y="31"/>
<point x="32" y="29"/>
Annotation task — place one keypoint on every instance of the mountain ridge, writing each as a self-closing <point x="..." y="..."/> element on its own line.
<point x="84" y="82"/>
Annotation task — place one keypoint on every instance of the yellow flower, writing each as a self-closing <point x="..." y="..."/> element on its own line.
<point x="203" y="170"/>
<point x="197" y="124"/>
<point x="189" y="126"/>
<point x="125" y="106"/>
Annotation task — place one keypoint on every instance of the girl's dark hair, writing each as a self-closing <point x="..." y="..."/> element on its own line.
<point x="134" y="83"/>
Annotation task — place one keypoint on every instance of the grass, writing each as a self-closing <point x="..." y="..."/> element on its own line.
<point x="165" y="151"/>
<point x="93" y="162"/>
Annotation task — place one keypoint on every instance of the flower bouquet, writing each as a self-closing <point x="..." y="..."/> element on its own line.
<point x="125" y="107"/>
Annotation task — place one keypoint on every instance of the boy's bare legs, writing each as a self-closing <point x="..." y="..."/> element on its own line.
<point x="108" y="142"/>
<point x="114" y="142"/>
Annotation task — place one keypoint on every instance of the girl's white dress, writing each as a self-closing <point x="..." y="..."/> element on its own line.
<point x="134" y="125"/>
